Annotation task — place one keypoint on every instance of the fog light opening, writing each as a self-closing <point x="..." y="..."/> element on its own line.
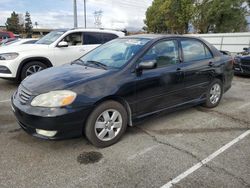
<point x="46" y="133"/>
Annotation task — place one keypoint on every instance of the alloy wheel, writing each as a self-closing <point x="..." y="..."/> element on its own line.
<point x="33" y="69"/>
<point x="215" y="93"/>
<point x="108" y="125"/>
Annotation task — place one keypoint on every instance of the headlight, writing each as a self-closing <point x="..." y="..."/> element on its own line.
<point x="54" y="99"/>
<point x="8" y="56"/>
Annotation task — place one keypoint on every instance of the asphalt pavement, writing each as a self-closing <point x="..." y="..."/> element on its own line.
<point x="159" y="151"/>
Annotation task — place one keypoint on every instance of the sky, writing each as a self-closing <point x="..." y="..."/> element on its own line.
<point x="117" y="14"/>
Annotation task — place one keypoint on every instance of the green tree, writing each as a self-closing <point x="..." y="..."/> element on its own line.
<point x="175" y="16"/>
<point x="220" y="16"/>
<point x="12" y="23"/>
<point x="28" y="25"/>
<point x="169" y="16"/>
<point x="155" y="19"/>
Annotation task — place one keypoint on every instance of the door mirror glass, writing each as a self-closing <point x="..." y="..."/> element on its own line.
<point x="147" y="65"/>
<point x="63" y="44"/>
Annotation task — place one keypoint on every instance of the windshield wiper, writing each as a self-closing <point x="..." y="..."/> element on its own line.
<point x="99" y="64"/>
<point x="78" y="62"/>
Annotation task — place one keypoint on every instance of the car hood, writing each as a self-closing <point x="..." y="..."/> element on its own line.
<point x="58" y="78"/>
<point x="22" y="48"/>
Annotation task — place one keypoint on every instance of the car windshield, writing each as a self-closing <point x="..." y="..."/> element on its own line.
<point x="50" y="38"/>
<point x="7" y="41"/>
<point x="11" y="42"/>
<point x="114" y="54"/>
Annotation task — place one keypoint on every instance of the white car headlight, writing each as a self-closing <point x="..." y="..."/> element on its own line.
<point x="8" y="56"/>
<point x="54" y="99"/>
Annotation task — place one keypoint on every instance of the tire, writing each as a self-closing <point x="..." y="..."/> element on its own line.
<point x="33" y="66"/>
<point x="100" y="129"/>
<point x="214" y="94"/>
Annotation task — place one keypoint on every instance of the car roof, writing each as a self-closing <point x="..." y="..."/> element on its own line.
<point x="118" y="33"/>
<point x="159" y="36"/>
<point x="155" y="37"/>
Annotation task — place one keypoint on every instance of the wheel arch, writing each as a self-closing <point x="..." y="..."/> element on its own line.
<point x="120" y="100"/>
<point x="220" y="77"/>
<point x="44" y="60"/>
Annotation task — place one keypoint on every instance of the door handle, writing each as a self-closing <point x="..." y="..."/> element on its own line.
<point x="210" y="64"/>
<point x="178" y="70"/>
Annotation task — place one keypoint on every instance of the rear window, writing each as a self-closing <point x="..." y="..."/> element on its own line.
<point x="97" y="38"/>
<point x="194" y="50"/>
<point x="108" y="37"/>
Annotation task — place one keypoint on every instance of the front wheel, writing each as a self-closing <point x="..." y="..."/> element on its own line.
<point x="106" y="124"/>
<point x="214" y="94"/>
<point x="32" y="68"/>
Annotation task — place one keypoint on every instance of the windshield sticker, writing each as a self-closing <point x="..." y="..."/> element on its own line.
<point x="134" y="42"/>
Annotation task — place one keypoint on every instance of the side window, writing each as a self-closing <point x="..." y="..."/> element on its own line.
<point x="165" y="53"/>
<point x="92" y="38"/>
<point x="108" y="37"/>
<point x="194" y="50"/>
<point x="73" y="39"/>
<point x="208" y="53"/>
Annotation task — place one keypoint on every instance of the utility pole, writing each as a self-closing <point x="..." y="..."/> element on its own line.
<point x="75" y="14"/>
<point x="85" y="22"/>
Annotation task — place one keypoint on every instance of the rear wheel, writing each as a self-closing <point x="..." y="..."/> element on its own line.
<point x="214" y="94"/>
<point x="32" y="68"/>
<point x="106" y="124"/>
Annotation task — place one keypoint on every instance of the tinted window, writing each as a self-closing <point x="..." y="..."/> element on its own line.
<point x="194" y="50"/>
<point x="164" y="53"/>
<point x="92" y="38"/>
<point x="107" y="37"/>
<point x="98" y="38"/>
<point x="73" y="39"/>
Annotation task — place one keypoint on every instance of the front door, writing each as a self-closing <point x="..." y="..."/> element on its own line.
<point x="74" y="50"/>
<point x="161" y="87"/>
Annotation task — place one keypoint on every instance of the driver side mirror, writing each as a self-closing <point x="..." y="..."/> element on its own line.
<point x="147" y="65"/>
<point x="62" y="44"/>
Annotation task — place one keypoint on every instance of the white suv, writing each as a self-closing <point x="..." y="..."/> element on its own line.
<point x="56" y="48"/>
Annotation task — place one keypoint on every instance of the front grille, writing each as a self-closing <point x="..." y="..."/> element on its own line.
<point x="24" y="94"/>
<point x="245" y="62"/>
<point x="246" y="68"/>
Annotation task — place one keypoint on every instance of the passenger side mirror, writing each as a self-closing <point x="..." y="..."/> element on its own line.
<point x="62" y="44"/>
<point x="147" y="65"/>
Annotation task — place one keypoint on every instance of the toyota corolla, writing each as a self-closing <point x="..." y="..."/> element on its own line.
<point x="122" y="81"/>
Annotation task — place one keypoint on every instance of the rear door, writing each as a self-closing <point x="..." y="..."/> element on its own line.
<point x="197" y="66"/>
<point x="162" y="87"/>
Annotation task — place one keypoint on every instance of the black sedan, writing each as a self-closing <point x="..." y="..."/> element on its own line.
<point x="242" y="62"/>
<point x="119" y="83"/>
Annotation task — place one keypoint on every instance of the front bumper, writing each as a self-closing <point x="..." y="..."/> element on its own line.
<point x="241" y="69"/>
<point x="68" y="123"/>
<point x="9" y="68"/>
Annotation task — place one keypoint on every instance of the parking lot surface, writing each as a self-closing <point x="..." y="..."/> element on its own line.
<point x="151" y="154"/>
